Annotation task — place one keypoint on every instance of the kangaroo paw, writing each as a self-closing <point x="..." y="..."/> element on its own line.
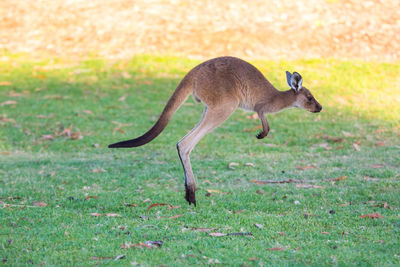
<point x="190" y="195"/>
<point x="261" y="135"/>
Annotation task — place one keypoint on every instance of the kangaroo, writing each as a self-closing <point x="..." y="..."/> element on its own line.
<point x="224" y="84"/>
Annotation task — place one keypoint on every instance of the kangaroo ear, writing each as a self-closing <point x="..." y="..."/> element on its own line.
<point x="294" y="80"/>
<point x="289" y="78"/>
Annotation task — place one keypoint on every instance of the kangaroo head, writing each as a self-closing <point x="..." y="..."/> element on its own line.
<point x="304" y="98"/>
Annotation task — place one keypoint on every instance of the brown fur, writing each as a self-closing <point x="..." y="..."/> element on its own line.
<point x="222" y="84"/>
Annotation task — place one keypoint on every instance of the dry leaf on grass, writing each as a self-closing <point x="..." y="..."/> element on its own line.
<point x="66" y="131"/>
<point x="306" y="167"/>
<point x="380" y="144"/>
<point x="239" y="211"/>
<point x="122" y="98"/>
<point x="40" y="116"/>
<point x="338" y="178"/>
<point x="271" y="145"/>
<point x="12" y="198"/>
<point x="217" y="234"/>
<point x="260" y="191"/>
<point x="126" y="75"/>
<point x="376" y="166"/>
<point x="39" y="204"/>
<point x="280" y="181"/>
<point x="380" y="204"/>
<point x="15" y="94"/>
<point x="75" y="136"/>
<point x="254" y="116"/>
<point x="176" y="216"/>
<point x="214" y="191"/>
<point x="5" y="83"/>
<point x="69" y="133"/>
<point x="100" y="258"/>
<point x="98" y="170"/>
<point x="297" y="181"/>
<point x="3" y="118"/>
<point x="275" y="249"/>
<point x="356" y="147"/>
<point x="117" y="129"/>
<point x="113" y="215"/>
<point x="156" y="244"/>
<point x="9" y="102"/>
<point x="325" y="145"/>
<point x="119" y="126"/>
<point x="47" y="137"/>
<point x="347" y="134"/>
<point x="96" y="214"/>
<point x="258" y="182"/>
<point x="232" y="165"/>
<point x="119" y="257"/>
<point x="202" y="229"/>
<point x="222" y="234"/>
<point x="89" y="197"/>
<point x="372" y="216"/>
<point x="258" y="225"/>
<point x="146" y="244"/>
<point x="147" y="82"/>
<point x="332" y="138"/>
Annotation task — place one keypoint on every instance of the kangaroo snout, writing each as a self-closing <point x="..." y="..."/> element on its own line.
<point x="318" y="109"/>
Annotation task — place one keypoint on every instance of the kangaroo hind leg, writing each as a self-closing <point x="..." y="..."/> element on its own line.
<point x="210" y="120"/>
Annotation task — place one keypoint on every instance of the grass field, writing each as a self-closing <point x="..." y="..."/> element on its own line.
<point x="57" y="176"/>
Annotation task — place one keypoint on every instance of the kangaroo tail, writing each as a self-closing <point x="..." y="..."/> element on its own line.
<point x="181" y="93"/>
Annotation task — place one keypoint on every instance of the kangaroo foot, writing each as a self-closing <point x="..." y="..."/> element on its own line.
<point x="261" y="135"/>
<point x="190" y="195"/>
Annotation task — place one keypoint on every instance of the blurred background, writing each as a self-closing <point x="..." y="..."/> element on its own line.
<point x="274" y="29"/>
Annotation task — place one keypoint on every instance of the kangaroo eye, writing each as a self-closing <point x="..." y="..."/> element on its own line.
<point x="309" y="98"/>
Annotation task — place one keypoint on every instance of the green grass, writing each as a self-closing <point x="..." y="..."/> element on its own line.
<point x="361" y="105"/>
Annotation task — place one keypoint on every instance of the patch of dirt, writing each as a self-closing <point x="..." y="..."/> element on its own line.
<point x="368" y="30"/>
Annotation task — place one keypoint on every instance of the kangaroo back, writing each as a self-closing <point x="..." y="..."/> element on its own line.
<point x="181" y="93"/>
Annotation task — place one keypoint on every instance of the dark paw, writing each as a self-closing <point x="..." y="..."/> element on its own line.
<point x="190" y="195"/>
<point x="261" y="135"/>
